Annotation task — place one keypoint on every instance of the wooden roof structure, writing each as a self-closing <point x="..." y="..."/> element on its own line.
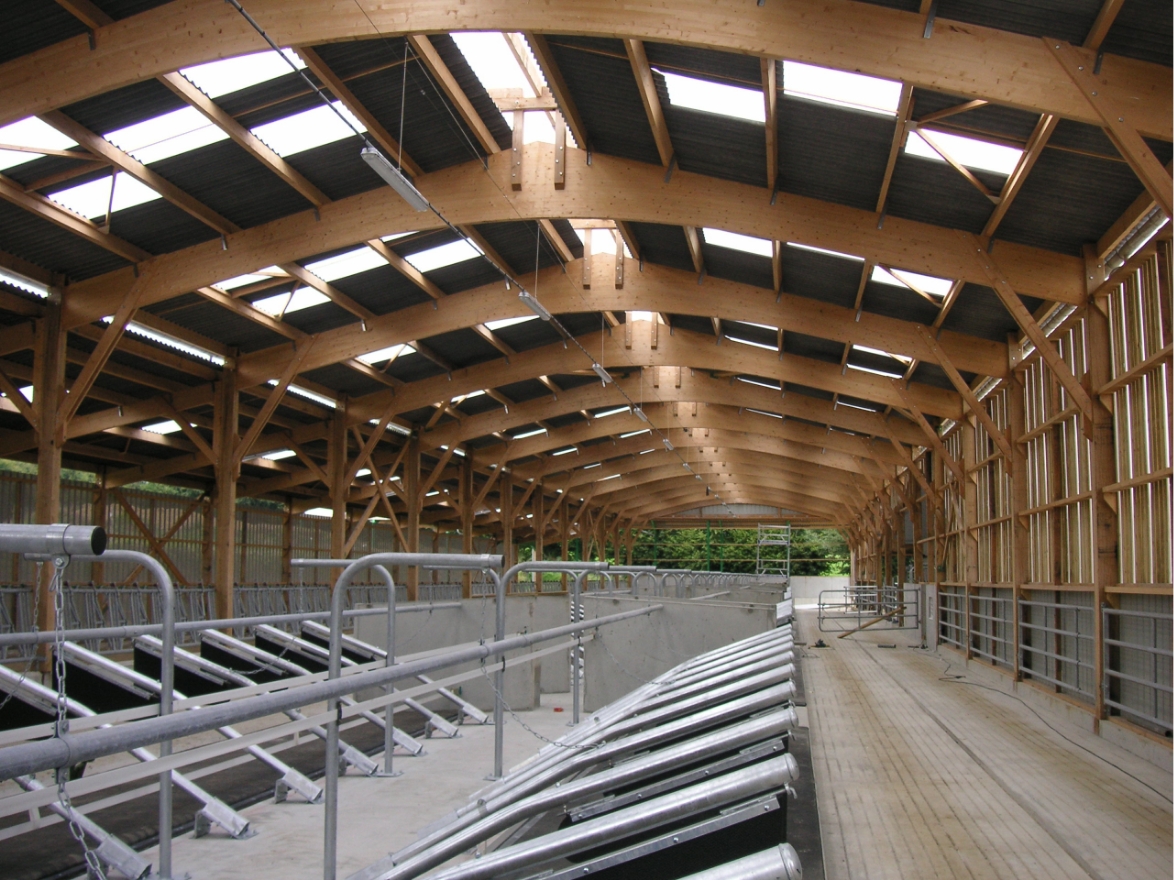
<point x="791" y="378"/>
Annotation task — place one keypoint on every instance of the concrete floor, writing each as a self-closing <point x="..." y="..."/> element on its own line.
<point x="376" y="816"/>
<point x="926" y="769"/>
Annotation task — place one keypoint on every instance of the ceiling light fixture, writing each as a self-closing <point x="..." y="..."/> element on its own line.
<point x="639" y="411"/>
<point x="667" y="444"/>
<point x="395" y="178"/>
<point x="530" y="301"/>
<point x="602" y="373"/>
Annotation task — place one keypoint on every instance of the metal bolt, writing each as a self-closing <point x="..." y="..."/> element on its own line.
<point x="1120" y="118"/>
<point x="1094" y="94"/>
<point x="676" y="840"/>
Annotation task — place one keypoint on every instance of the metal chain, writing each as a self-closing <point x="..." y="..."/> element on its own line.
<point x="530" y="730"/>
<point x="619" y="665"/>
<point x="28" y="667"/>
<point x="57" y="588"/>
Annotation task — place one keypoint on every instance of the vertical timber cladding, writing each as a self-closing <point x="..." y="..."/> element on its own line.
<point x="992" y="596"/>
<point x="1138" y="621"/>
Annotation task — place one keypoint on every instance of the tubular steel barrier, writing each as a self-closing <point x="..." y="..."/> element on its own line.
<point x="853" y="607"/>
<point x="1151" y="695"/>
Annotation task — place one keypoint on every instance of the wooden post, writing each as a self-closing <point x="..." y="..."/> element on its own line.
<point x="98" y="570"/>
<point x="538" y="514"/>
<point x="969" y="544"/>
<point x="49" y="390"/>
<point x="336" y="472"/>
<point x="287" y="543"/>
<point x="1021" y="536"/>
<point x="1104" y="525"/>
<point x="506" y="484"/>
<point x="208" y="539"/>
<point x="466" y="504"/>
<point x="411" y="484"/>
<point x="225" y="426"/>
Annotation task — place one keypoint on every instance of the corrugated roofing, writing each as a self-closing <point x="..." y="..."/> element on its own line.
<point x="462" y="348"/>
<point x="344" y="380"/>
<point x="933" y="192"/>
<point x="719" y="146"/>
<point x="722" y="262"/>
<point x="234" y="184"/>
<point x="979" y="312"/>
<point x="519" y="243"/>
<point x="662" y="244"/>
<point x="812" y="347"/>
<point x="832" y="153"/>
<point x="119" y="9"/>
<point x="723" y="67"/>
<point x="159" y="227"/>
<point x="51" y="247"/>
<point x="932" y="374"/>
<point x="382" y="290"/>
<point x="336" y="169"/>
<point x="898" y="302"/>
<point x="30" y="25"/>
<point x="1143" y="29"/>
<point x="1068" y="20"/>
<point x="992" y="119"/>
<point x="599" y="77"/>
<point x="126" y="106"/>
<point x="320" y="318"/>
<point x="1069" y="200"/>
<point x="821" y="276"/>
<point x="217" y="323"/>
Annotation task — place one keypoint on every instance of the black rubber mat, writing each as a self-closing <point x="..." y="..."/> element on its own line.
<point x="50" y="853"/>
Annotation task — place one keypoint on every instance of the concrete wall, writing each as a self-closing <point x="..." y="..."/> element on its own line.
<point x="424" y="632"/>
<point x="805" y="590"/>
<point x="647" y="646"/>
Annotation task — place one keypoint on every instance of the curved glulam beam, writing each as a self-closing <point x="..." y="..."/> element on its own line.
<point x="706" y="417"/>
<point x="656" y="289"/>
<point x="693" y="387"/>
<point x="715" y="473"/>
<point x="655" y="497"/>
<point x="966" y="60"/>
<point x="609" y="187"/>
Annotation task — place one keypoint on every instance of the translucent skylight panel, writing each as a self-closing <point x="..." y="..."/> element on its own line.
<point x="312" y="396"/>
<point x="492" y="60"/>
<point x="613" y="412"/>
<point x="168" y="135"/>
<point x="91" y="199"/>
<point x="285" y="303"/>
<point x="168" y="427"/>
<point x="386" y="354"/>
<point x="509" y="322"/>
<point x="344" y="265"/>
<point x="527" y="434"/>
<point x="904" y="278"/>
<point x="20" y="282"/>
<point x="278" y="454"/>
<point x="193" y="351"/>
<point x="396" y="235"/>
<point x="824" y="251"/>
<point x="642" y="316"/>
<point x="742" y="341"/>
<point x="736" y="241"/>
<point x="759" y="383"/>
<point x="30" y="132"/>
<point x="308" y="129"/>
<point x="324" y="512"/>
<point x="444" y="255"/>
<point x="566" y="451"/>
<point x="973" y="153"/>
<point x="240" y="281"/>
<point x="635" y="433"/>
<point x="887" y="373"/>
<point x="763" y="412"/>
<point x="712" y="97"/>
<point x="230" y="75"/>
<point x="878" y="351"/>
<point x="841" y="88"/>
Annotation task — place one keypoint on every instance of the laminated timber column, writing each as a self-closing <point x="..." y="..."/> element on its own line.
<point x="969" y="544"/>
<point x="538" y="517"/>
<point x="49" y="391"/>
<point x="411" y="484"/>
<point x="466" y="504"/>
<point x="1020" y="536"/>
<point x="225" y="427"/>
<point x="1106" y="570"/>
<point x="506" y="484"/>
<point x="336" y="470"/>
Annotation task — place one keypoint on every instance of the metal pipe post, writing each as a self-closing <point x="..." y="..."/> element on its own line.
<point x="166" y="680"/>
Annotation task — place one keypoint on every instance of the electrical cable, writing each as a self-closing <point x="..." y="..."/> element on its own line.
<point x="557" y="325"/>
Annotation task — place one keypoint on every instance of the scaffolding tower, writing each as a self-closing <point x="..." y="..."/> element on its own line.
<point x="769" y="561"/>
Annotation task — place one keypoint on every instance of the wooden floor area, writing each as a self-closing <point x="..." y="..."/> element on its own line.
<point x="920" y="777"/>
